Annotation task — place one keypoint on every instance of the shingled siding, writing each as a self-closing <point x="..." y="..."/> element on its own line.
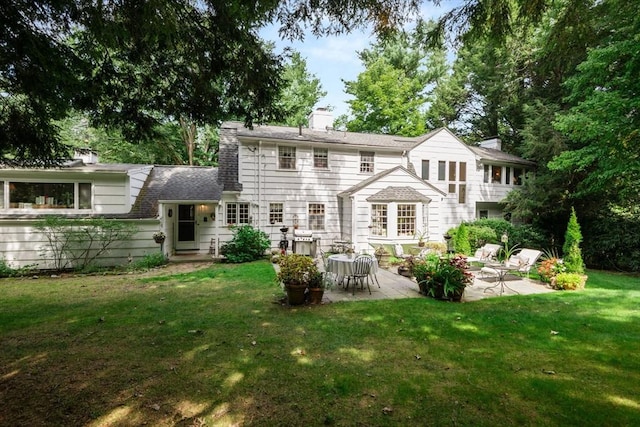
<point x="21" y="245"/>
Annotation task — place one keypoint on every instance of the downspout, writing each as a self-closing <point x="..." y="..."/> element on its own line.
<point x="260" y="219"/>
<point x="354" y="233"/>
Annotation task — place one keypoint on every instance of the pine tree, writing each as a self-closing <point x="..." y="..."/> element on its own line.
<point x="571" y="248"/>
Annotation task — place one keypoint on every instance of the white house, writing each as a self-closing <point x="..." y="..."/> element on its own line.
<point x="363" y="188"/>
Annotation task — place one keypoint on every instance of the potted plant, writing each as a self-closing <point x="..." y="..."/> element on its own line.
<point x="317" y="285"/>
<point x="159" y="237"/>
<point x="444" y="278"/>
<point x="294" y="274"/>
<point x="383" y="255"/>
<point x="406" y="267"/>
<point x="420" y="235"/>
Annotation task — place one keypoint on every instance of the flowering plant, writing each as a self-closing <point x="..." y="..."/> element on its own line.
<point x="550" y="268"/>
<point x="159" y="236"/>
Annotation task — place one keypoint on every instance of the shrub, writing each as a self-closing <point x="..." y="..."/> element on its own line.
<point x="5" y="269"/>
<point x="550" y="268"/>
<point x="247" y="244"/>
<point x="569" y="281"/>
<point x="442" y="278"/>
<point x="461" y="240"/>
<point x="479" y="235"/>
<point x="152" y="260"/>
<point x="571" y="248"/>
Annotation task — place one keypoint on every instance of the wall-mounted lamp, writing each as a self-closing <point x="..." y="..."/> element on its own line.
<point x="170" y="213"/>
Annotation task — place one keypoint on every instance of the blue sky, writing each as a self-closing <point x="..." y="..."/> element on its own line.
<point x="333" y="59"/>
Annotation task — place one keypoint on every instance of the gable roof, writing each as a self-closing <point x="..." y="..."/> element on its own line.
<point x="362" y="184"/>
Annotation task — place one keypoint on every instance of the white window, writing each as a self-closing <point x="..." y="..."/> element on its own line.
<point x="276" y="213"/>
<point x="320" y="158"/>
<point x="379" y="220"/>
<point x="462" y="193"/>
<point x="442" y="166"/>
<point x="316" y="216"/>
<point x="406" y="220"/>
<point x="287" y="157"/>
<point x="367" y="161"/>
<point x="48" y="195"/>
<point x="237" y="213"/>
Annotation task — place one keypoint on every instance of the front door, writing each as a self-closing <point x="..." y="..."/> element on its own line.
<point x="187" y="230"/>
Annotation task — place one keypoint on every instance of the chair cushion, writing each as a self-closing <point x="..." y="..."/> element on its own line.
<point x="490" y="271"/>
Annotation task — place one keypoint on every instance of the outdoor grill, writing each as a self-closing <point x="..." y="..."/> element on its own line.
<point x="302" y="241"/>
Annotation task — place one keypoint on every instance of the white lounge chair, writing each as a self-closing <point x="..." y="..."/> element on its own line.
<point x="486" y="253"/>
<point x="523" y="260"/>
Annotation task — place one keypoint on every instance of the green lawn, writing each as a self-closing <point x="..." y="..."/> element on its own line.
<point x="214" y="347"/>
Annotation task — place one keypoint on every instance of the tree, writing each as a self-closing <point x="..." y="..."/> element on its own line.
<point x="300" y="93"/>
<point x="391" y="93"/>
<point x="133" y="64"/>
<point x="572" y="255"/>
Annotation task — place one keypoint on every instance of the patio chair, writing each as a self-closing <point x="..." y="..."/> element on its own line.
<point x="485" y="253"/>
<point x="399" y="251"/>
<point x="525" y="259"/>
<point x="361" y="271"/>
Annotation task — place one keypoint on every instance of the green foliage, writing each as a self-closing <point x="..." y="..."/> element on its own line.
<point x="569" y="281"/>
<point x="5" y="269"/>
<point x="480" y="234"/>
<point x="78" y="243"/>
<point x="247" y="244"/>
<point x="443" y="278"/>
<point x="152" y="260"/>
<point x="296" y="269"/>
<point x="461" y="240"/>
<point x="301" y="91"/>
<point x="572" y="254"/>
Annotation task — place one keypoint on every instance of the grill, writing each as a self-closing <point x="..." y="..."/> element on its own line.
<point x="302" y="241"/>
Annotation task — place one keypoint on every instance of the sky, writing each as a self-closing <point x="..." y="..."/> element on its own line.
<point x="334" y="59"/>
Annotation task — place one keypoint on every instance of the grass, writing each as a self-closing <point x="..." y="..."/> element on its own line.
<point x="213" y="347"/>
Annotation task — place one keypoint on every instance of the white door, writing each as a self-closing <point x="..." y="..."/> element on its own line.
<point x="187" y="228"/>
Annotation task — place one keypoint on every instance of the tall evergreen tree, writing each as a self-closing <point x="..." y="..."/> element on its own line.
<point x="572" y="254"/>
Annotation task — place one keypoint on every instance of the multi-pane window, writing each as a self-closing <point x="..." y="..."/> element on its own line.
<point x="442" y="166"/>
<point x="320" y="158"/>
<point x="517" y="176"/>
<point x="276" y="213"/>
<point x="366" y="161"/>
<point x="406" y="220"/>
<point x="286" y="157"/>
<point x="496" y="174"/>
<point x="462" y="193"/>
<point x="379" y="220"/>
<point x="49" y="195"/>
<point x="237" y="213"/>
<point x="316" y="216"/>
<point x="425" y="170"/>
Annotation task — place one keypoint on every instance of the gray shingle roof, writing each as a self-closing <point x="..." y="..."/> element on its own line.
<point x="362" y="184"/>
<point x="177" y="183"/>
<point x="283" y="133"/>
<point x="499" y="156"/>
<point x="398" y="194"/>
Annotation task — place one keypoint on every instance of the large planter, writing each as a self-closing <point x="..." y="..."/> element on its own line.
<point x="295" y="294"/>
<point x="383" y="260"/>
<point x="404" y="271"/>
<point x="315" y="295"/>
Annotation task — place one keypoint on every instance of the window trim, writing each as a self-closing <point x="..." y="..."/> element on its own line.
<point x="367" y="166"/>
<point x="379" y="219"/>
<point x="237" y="213"/>
<point x="273" y="213"/>
<point x="282" y="158"/>
<point x="313" y="216"/>
<point x="5" y="194"/>
<point x="325" y="158"/>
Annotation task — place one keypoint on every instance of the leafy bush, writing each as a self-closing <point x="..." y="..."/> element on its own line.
<point x="569" y="281"/>
<point x="152" y="260"/>
<point x="442" y="278"/>
<point x="247" y="244"/>
<point x="78" y="243"/>
<point x="5" y="269"/>
<point x="481" y="234"/>
<point x="550" y="268"/>
<point x="296" y="269"/>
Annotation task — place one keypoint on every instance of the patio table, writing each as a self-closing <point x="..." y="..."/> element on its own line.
<point x="341" y="265"/>
<point x="501" y="270"/>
